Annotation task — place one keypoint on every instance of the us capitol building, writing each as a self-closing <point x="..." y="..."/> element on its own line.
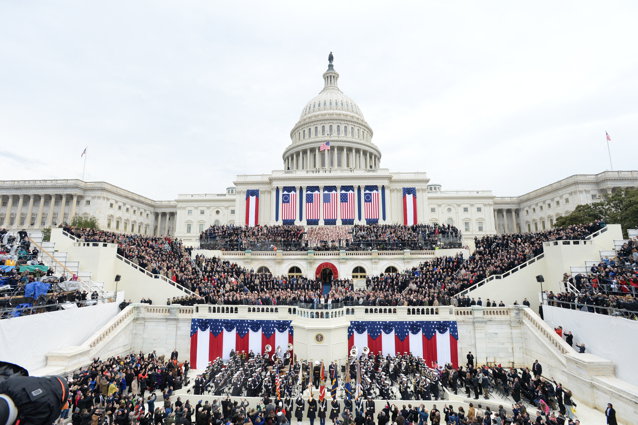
<point x="331" y="175"/>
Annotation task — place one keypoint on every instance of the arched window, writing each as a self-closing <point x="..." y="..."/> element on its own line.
<point x="338" y="130"/>
<point x="323" y="130"/>
<point x="391" y="269"/>
<point x="351" y="131"/>
<point x="359" y="273"/>
<point x="450" y="221"/>
<point x="316" y="131"/>
<point x="330" y="130"/>
<point x="294" y="271"/>
<point x="304" y="134"/>
<point x="263" y="270"/>
<point x="358" y="133"/>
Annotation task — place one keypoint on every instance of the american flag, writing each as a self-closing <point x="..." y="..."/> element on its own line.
<point x="313" y="198"/>
<point x="324" y="147"/>
<point x="278" y="384"/>
<point x="289" y="204"/>
<point x="330" y="205"/>
<point x="346" y="202"/>
<point x="607" y="136"/>
<point x="371" y="203"/>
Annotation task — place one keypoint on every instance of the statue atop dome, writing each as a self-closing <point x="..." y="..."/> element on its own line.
<point x="330" y="58"/>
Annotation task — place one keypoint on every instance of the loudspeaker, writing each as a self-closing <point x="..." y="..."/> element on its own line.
<point x="540" y="278"/>
<point x="118" y="277"/>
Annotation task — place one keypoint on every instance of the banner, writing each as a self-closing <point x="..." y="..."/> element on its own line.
<point x="434" y="341"/>
<point x="330" y="205"/>
<point x="215" y="338"/>
<point x="346" y="204"/>
<point x="288" y="205"/>
<point x="371" y="204"/>
<point x="313" y="205"/>
<point x="252" y="207"/>
<point x="409" y="206"/>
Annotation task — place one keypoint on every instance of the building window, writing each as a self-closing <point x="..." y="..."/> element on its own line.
<point x="232" y="212"/>
<point x="316" y="131"/>
<point x="533" y="210"/>
<point x="201" y="212"/>
<point x="467" y="226"/>
<point x="359" y="273"/>
<point x="188" y="227"/>
<point x="549" y="206"/>
<point x="391" y="269"/>
<point x="433" y="209"/>
<point x="323" y="130"/>
<point x="541" y="207"/>
<point x="263" y="270"/>
<point x="294" y="271"/>
<point x="189" y="212"/>
<point x="593" y="196"/>
<point x="201" y="227"/>
<point x="111" y="205"/>
<point x="218" y="212"/>
<point x="119" y="208"/>
<point x="479" y="209"/>
<point x="87" y="202"/>
<point x="567" y="200"/>
<point x="127" y="209"/>
<point x="108" y="224"/>
<point x="465" y="209"/>
<point x="449" y="210"/>
<point x="480" y="226"/>
<point x="557" y="203"/>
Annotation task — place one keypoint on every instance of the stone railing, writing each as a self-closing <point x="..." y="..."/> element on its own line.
<point x="549" y="334"/>
<point x="341" y="253"/>
<point x="127" y="315"/>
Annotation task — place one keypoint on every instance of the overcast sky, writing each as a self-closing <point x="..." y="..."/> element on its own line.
<point x="180" y="96"/>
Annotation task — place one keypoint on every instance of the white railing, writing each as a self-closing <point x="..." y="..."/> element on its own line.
<point x="401" y="253"/>
<point x="155" y="276"/>
<point x="503" y="275"/>
<point x="549" y="334"/>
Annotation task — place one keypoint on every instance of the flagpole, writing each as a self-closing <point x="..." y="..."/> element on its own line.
<point x="84" y="166"/>
<point x="611" y="166"/>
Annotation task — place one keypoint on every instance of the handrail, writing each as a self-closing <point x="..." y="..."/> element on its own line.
<point x="72" y="237"/>
<point x="155" y="276"/>
<point x="551" y="335"/>
<point x="502" y="275"/>
<point x="591" y="308"/>
<point x="55" y="260"/>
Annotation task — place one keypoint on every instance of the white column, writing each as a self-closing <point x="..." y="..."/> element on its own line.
<point x="49" y="220"/>
<point x="61" y="213"/>
<point x="38" y="219"/>
<point x="18" y="219"/>
<point x="27" y="220"/>
<point x="7" y="214"/>
<point x="74" y="205"/>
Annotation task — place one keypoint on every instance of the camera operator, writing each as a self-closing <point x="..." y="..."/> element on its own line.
<point x="30" y="400"/>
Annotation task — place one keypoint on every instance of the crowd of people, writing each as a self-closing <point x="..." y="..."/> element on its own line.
<point x="610" y="287"/>
<point x="321" y="238"/>
<point x="27" y="286"/>
<point x="144" y="389"/>
<point x="434" y="282"/>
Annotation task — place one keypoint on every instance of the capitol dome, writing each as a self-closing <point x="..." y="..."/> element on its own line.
<point x="331" y="133"/>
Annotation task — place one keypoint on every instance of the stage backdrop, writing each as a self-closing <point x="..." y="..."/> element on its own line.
<point x="214" y="338"/>
<point x="435" y="341"/>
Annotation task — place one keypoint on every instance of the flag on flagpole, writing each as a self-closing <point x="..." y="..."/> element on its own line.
<point x="84" y="151"/>
<point x="333" y="379"/>
<point x="278" y="384"/>
<point x="322" y="383"/>
<point x="608" y="136"/>
<point x="324" y="147"/>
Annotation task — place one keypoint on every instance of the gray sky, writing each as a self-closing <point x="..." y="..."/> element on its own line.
<point x="180" y="96"/>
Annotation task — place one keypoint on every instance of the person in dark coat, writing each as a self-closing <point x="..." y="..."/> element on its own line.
<point x="312" y="410"/>
<point x="335" y="409"/>
<point x="610" y="413"/>
<point x="299" y="406"/>
<point x="323" y="410"/>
